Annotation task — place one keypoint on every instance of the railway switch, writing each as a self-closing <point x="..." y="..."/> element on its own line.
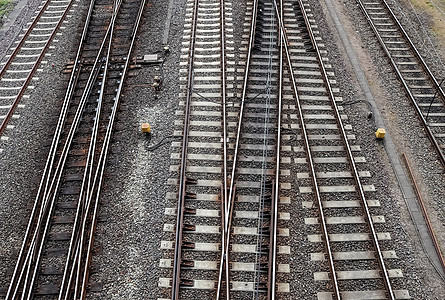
<point x="146" y="128"/>
<point x="380" y="133"/>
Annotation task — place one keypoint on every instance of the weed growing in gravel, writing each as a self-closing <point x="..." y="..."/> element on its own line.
<point x="4" y="9"/>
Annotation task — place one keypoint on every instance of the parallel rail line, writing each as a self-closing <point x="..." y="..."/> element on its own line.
<point x="27" y="56"/>
<point x="420" y="84"/>
<point x="65" y="211"/>
<point x="354" y="169"/>
<point x="229" y="249"/>
<point x="316" y="169"/>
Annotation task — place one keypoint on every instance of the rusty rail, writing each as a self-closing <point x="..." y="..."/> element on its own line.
<point x="231" y="195"/>
<point x="309" y="156"/>
<point x="182" y="176"/>
<point x="425" y="213"/>
<point x="354" y="170"/>
<point x="408" y="91"/>
<point x="272" y="267"/>
<point x="35" y="66"/>
<point x="224" y="196"/>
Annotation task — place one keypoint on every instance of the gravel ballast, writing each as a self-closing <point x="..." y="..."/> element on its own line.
<point x="133" y="201"/>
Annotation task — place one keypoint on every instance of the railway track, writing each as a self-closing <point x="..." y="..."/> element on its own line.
<point x="357" y="267"/>
<point x="207" y="76"/>
<point x="20" y="65"/>
<point x="250" y="213"/>
<point x="423" y="89"/>
<point x="54" y="260"/>
<point x="241" y="231"/>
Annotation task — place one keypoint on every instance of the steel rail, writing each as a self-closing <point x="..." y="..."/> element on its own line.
<point x="424" y="122"/>
<point x="309" y="156"/>
<point x="104" y="153"/>
<point x="83" y="198"/>
<point x="223" y="243"/>
<point x="69" y="92"/>
<point x="50" y="201"/>
<point x="96" y="184"/>
<point x="224" y="199"/>
<point x="22" y="90"/>
<point x="22" y="40"/>
<point x="67" y="146"/>
<point x="271" y="293"/>
<point x="182" y="175"/>
<point x="84" y="98"/>
<point x="350" y="157"/>
<point x="56" y="179"/>
<point x="414" y="49"/>
<point x="67" y="99"/>
<point x="46" y="201"/>
<point x="425" y="215"/>
<point x="231" y="196"/>
<point x="223" y="94"/>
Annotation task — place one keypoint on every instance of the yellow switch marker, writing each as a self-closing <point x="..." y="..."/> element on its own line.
<point x="380" y="133"/>
<point x="146" y="128"/>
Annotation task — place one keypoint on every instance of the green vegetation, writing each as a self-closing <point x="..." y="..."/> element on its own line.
<point x="4" y="8"/>
<point x="434" y="15"/>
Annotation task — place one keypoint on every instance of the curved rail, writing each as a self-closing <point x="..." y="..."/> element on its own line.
<point x="231" y="194"/>
<point x="351" y="159"/>
<point x="271" y="293"/>
<point x="30" y="256"/>
<point x="51" y="156"/>
<point x="310" y="158"/>
<point x="224" y="196"/>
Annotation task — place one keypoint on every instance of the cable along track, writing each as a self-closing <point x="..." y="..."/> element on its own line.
<point x="19" y="66"/>
<point x="420" y="84"/>
<point x="56" y="252"/>
<point x="332" y="177"/>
